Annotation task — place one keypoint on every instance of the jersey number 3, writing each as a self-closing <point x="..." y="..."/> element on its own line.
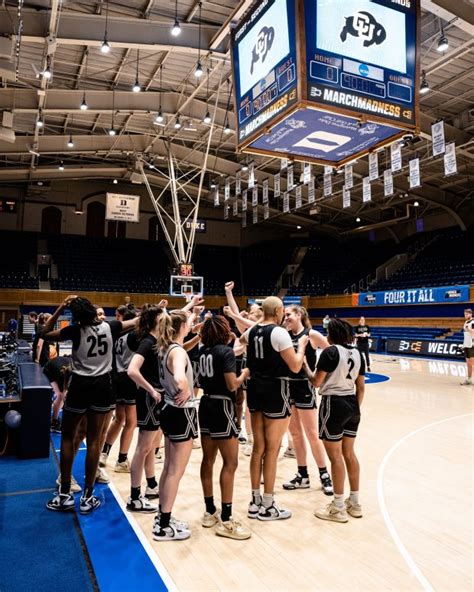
<point x="98" y="345"/>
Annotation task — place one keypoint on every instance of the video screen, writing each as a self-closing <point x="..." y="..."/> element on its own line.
<point x="364" y="31"/>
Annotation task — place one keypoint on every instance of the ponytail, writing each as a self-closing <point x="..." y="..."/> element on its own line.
<point x="168" y="327"/>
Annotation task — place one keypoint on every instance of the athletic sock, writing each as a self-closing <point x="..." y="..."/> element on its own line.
<point x="354" y="497"/>
<point x="322" y="471"/>
<point x="226" y="512"/>
<point x="303" y="471"/>
<point x="267" y="500"/>
<point x="135" y="493"/>
<point x="151" y="482"/>
<point x="106" y="448"/>
<point x="65" y="487"/>
<point x="210" y="506"/>
<point x="339" y="501"/>
<point x="256" y="497"/>
<point x="165" y="519"/>
<point x="89" y="491"/>
<point x="122" y="457"/>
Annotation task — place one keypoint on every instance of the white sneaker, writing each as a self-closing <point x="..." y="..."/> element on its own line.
<point x="141" y="505"/>
<point x="152" y="492"/>
<point x="179" y="524"/>
<point x="466" y="382"/>
<point x="355" y="510"/>
<point x="252" y="512"/>
<point x="103" y="458"/>
<point x="333" y="513"/>
<point x="209" y="520"/>
<point x="247" y="449"/>
<point x="170" y="533"/>
<point x="75" y="487"/>
<point x="298" y="482"/>
<point x="273" y="513"/>
<point x="159" y="457"/>
<point x="196" y="444"/>
<point x="122" y="467"/>
<point x="233" y="529"/>
<point x="289" y="453"/>
<point x="101" y="476"/>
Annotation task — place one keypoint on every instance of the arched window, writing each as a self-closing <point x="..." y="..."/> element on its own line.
<point x="51" y="220"/>
<point x="153" y="228"/>
<point x="95" y="219"/>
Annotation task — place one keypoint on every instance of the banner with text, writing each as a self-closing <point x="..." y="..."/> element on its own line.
<point x="438" y="295"/>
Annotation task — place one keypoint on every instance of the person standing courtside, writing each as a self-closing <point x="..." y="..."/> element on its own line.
<point x="468" y="344"/>
<point x="362" y="334"/>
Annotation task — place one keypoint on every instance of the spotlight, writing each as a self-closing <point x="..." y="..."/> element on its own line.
<point x="443" y="43"/>
<point x="416" y="204"/>
<point x="357" y="219"/>
<point x="159" y="117"/>
<point x="176" y="30"/>
<point x="245" y="168"/>
<point x="207" y="117"/>
<point x="105" y="47"/>
<point x="70" y="143"/>
<point x="78" y="212"/>
<point x="299" y="227"/>
<point x="136" y="87"/>
<point x="112" y="132"/>
<point x="39" y="121"/>
<point x="227" y="129"/>
<point x="115" y="181"/>
<point x="424" y="86"/>
<point x="198" y="72"/>
<point x="213" y="185"/>
<point x="47" y="73"/>
<point x="61" y="166"/>
<point x="177" y="123"/>
<point x="84" y="105"/>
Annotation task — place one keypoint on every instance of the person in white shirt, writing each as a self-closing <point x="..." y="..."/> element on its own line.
<point x="468" y="344"/>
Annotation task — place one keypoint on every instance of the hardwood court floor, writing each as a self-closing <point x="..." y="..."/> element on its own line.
<point x="415" y="448"/>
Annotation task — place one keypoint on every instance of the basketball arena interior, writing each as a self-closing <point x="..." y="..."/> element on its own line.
<point x="192" y="159"/>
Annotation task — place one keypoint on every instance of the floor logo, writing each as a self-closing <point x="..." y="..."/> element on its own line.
<point x="262" y="47"/>
<point x="324" y="141"/>
<point x="373" y="378"/>
<point x="364" y="25"/>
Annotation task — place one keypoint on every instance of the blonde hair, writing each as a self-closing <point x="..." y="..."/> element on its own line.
<point x="301" y="310"/>
<point x="168" y="326"/>
<point x="270" y="305"/>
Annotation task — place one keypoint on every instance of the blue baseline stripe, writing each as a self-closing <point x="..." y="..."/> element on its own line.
<point x="118" y="557"/>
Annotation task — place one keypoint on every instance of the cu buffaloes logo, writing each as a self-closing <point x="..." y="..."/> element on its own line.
<point x="364" y="25"/>
<point x="262" y="47"/>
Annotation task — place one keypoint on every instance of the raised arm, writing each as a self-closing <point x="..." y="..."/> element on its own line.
<point x="229" y="286"/>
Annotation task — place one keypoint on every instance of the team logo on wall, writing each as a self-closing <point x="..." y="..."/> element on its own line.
<point x="264" y="43"/>
<point x="364" y="25"/>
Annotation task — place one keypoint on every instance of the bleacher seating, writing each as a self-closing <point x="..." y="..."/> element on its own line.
<point x="19" y="252"/>
<point x="263" y="264"/>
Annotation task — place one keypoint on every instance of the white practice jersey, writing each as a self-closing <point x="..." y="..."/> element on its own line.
<point x="168" y="382"/>
<point x="468" y="327"/>
<point x="341" y="381"/>
<point x="93" y="356"/>
<point x="123" y="354"/>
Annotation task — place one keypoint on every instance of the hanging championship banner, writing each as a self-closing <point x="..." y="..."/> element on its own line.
<point x="327" y="170"/>
<point x="283" y="164"/>
<point x="373" y="166"/>
<point x="244" y="219"/>
<point x="255" y="215"/>
<point x="388" y="183"/>
<point x="348" y="176"/>
<point x="123" y="208"/>
<point x="311" y="191"/>
<point x="227" y="189"/>
<point x="286" y="202"/>
<point x="299" y="196"/>
<point x="437" y="138"/>
<point x="265" y="191"/>
<point x="415" y="173"/>
<point x="238" y="183"/>
<point x="327" y="185"/>
<point x="255" y="196"/>
<point x="244" y="201"/>
<point x="396" y="156"/>
<point x="216" y="195"/>
<point x="450" y="164"/>
<point x="346" y="198"/>
<point x="266" y="211"/>
<point x="235" y="208"/>
<point x="226" y="211"/>
<point x="276" y="185"/>
<point x="251" y="181"/>
<point x="366" y="190"/>
<point x="306" y="172"/>
<point x="290" y="180"/>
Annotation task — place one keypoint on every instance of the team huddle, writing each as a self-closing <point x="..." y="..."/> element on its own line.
<point x="183" y="374"/>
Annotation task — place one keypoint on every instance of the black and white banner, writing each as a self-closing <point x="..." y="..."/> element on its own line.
<point x="286" y="202"/>
<point x="227" y="189"/>
<point x="299" y="196"/>
<point x="251" y="181"/>
<point x="283" y="164"/>
<point x="226" y="211"/>
<point x="415" y="173"/>
<point x="346" y="198"/>
<point x="276" y="185"/>
<point x="348" y="176"/>
<point x="123" y="208"/>
<point x="255" y="215"/>
<point x="244" y="201"/>
<point x="255" y="196"/>
<point x="327" y="185"/>
<point x="266" y="211"/>
<point x="235" y="208"/>
<point x="437" y="138"/>
<point x="306" y="173"/>
<point x="396" y="156"/>
<point x="366" y="190"/>
<point x="238" y="183"/>
<point x="216" y="195"/>
<point x="311" y="191"/>
<point x="450" y="163"/>
<point x="265" y="191"/>
<point x="290" y="178"/>
<point x="373" y="166"/>
<point x="388" y="183"/>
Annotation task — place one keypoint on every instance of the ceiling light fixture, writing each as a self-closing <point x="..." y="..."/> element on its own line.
<point x="136" y="87"/>
<point x="443" y="43"/>
<point x="198" y="72"/>
<point x="176" y="30"/>
<point x="47" y="72"/>
<point x="115" y="181"/>
<point x="112" y="131"/>
<point x="177" y="123"/>
<point x="227" y="129"/>
<point x="159" y="116"/>
<point x="207" y="118"/>
<point x="105" y="47"/>
<point x="61" y="166"/>
<point x="70" y="143"/>
<point x="416" y="204"/>
<point x="424" y="86"/>
<point x="84" y="105"/>
<point x="39" y="120"/>
<point x="357" y="219"/>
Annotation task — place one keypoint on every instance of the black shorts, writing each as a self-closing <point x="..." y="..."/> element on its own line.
<point x="195" y="364"/>
<point x="179" y="424"/>
<point x="302" y="394"/>
<point x="89" y="393"/>
<point x="468" y="352"/>
<point x="217" y="418"/>
<point x="270" y="396"/>
<point x="339" y="417"/>
<point x="148" y="411"/>
<point x="125" y="389"/>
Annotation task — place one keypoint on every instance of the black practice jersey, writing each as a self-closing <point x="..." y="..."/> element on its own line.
<point x="310" y="354"/>
<point x="146" y="347"/>
<point x="263" y="351"/>
<point x="359" y="330"/>
<point x="214" y="362"/>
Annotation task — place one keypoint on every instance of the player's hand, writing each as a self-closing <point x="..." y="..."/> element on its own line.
<point x="163" y="303"/>
<point x="197" y="310"/>
<point x="68" y="300"/>
<point x="197" y="300"/>
<point x="182" y="397"/>
<point x="229" y="286"/>
<point x="302" y="343"/>
<point x="246" y="371"/>
<point x="244" y="314"/>
<point x="155" y="395"/>
<point x="208" y="315"/>
<point x="227" y="311"/>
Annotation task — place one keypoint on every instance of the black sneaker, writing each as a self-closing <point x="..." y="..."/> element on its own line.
<point x="89" y="504"/>
<point x="61" y="502"/>
<point x="141" y="505"/>
<point x="298" y="482"/>
<point x="368" y="369"/>
<point x="56" y="426"/>
<point x="326" y="484"/>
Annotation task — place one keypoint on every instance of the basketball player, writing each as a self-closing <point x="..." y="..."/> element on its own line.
<point x="468" y="344"/>
<point x="58" y="371"/>
<point x="125" y="418"/>
<point x="89" y="393"/>
<point x="362" y="334"/>
<point x="340" y="378"/>
<point x="41" y="348"/>
<point x="218" y="424"/>
<point x="270" y="357"/>
<point x="304" y="420"/>
<point x="178" y="419"/>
